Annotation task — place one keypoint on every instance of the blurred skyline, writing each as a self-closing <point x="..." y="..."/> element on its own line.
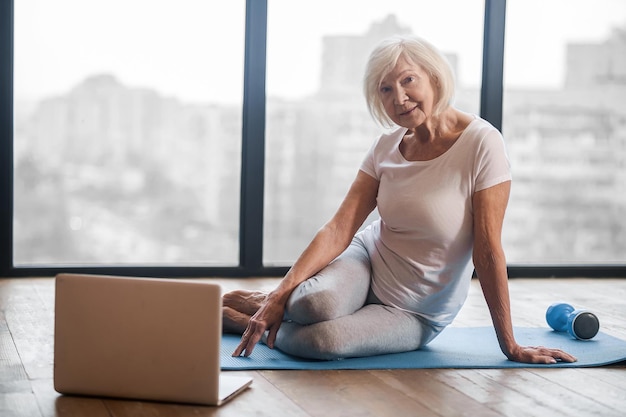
<point x="127" y="174"/>
<point x="146" y="169"/>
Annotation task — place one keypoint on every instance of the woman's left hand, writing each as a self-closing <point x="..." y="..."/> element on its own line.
<point x="539" y="354"/>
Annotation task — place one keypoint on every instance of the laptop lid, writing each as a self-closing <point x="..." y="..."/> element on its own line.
<point x="139" y="338"/>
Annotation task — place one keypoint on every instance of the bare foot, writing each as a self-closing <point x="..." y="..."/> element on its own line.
<point x="244" y="301"/>
<point x="234" y="321"/>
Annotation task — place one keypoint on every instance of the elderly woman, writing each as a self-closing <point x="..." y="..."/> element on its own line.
<point x="441" y="182"/>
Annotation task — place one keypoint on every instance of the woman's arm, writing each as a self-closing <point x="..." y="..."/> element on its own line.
<point x="329" y="242"/>
<point x="490" y="263"/>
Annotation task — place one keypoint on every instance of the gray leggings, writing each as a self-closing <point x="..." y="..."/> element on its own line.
<point x="334" y="315"/>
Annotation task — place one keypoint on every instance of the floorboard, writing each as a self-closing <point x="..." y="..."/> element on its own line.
<point x="436" y="395"/>
<point x="26" y="364"/>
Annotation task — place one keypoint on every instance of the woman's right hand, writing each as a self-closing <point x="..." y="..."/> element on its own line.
<point x="268" y="317"/>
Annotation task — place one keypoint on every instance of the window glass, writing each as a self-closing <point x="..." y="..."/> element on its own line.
<point x="318" y="126"/>
<point x="564" y="123"/>
<point x="127" y="131"/>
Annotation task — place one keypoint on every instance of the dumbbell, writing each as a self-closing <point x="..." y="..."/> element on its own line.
<point x="580" y="324"/>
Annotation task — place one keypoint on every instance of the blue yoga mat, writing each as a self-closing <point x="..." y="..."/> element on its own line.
<point x="455" y="347"/>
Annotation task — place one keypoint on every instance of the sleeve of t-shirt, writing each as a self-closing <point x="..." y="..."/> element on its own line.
<point x="369" y="164"/>
<point x="492" y="163"/>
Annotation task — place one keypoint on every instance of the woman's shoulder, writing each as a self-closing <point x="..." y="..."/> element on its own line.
<point x="479" y="124"/>
<point x="480" y="130"/>
<point x="390" y="139"/>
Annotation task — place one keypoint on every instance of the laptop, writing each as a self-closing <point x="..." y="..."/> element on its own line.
<point x="140" y="338"/>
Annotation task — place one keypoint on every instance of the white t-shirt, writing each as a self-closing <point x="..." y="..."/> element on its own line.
<point x="421" y="246"/>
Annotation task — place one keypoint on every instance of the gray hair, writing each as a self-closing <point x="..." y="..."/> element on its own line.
<point x="384" y="58"/>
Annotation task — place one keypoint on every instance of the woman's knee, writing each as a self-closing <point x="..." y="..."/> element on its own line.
<point x="339" y="289"/>
<point x="313" y="307"/>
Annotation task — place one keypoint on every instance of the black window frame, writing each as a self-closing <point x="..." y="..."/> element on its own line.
<point x="253" y="158"/>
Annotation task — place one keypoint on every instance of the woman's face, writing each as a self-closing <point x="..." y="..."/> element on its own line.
<point x="407" y="94"/>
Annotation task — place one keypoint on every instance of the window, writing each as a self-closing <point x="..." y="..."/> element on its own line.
<point x="564" y="124"/>
<point x="318" y="126"/>
<point x="127" y="132"/>
<point x="190" y="138"/>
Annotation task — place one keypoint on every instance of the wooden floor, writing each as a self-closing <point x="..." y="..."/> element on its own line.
<point x="26" y="351"/>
